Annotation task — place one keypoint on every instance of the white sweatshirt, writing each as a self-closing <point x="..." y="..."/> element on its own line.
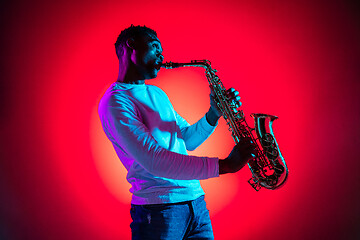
<point x="152" y="140"/>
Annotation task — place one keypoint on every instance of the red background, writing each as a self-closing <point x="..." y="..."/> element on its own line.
<point x="60" y="178"/>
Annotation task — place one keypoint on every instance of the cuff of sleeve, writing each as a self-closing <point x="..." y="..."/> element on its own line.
<point x="205" y="125"/>
<point x="213" y="167"/>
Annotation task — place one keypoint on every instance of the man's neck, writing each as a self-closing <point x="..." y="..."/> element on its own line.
<point x="139" y="82"/>
<point x="129" y="75"/>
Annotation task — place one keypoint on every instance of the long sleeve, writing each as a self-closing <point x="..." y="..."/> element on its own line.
<point x="125" y="127"/>
<point x="194" y="135"/>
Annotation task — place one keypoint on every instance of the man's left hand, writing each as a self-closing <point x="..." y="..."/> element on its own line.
<point x="214" y="112"/>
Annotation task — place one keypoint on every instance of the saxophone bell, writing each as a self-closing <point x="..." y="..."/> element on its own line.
<point x="269" y="169"/>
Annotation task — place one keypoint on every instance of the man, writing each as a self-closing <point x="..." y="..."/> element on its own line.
<point x="152" y="140"/>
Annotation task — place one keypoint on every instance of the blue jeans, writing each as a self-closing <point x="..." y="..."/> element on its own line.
<point x="175" y="221"/>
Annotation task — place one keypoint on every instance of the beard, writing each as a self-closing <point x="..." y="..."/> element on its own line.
<point x="151" y="71"/>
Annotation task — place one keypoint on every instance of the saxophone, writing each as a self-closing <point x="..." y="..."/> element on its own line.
<point x="268" y="167"/>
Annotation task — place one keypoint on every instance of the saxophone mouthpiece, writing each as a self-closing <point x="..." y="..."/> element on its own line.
<point x="170" y="65"/>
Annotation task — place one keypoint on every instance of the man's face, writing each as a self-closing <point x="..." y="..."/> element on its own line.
<point x="147" y="56"/>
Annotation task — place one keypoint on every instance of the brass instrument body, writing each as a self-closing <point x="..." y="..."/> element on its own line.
<point x="268" y="167"/>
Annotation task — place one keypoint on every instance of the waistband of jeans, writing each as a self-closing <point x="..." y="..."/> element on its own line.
<point x="201" y="198"/>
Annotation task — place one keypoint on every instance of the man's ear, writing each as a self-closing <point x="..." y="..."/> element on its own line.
<point x="130" y="43"/>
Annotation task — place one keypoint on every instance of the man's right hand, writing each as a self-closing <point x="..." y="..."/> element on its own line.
<point x="239" y="156"/>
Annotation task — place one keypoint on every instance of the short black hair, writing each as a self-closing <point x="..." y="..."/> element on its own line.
<point x="134" y="32"/>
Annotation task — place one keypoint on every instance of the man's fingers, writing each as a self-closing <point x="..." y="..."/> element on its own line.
<point x="247" y="146"/>
<point x="233" y="96"/>
<point x="232" y="92"/>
